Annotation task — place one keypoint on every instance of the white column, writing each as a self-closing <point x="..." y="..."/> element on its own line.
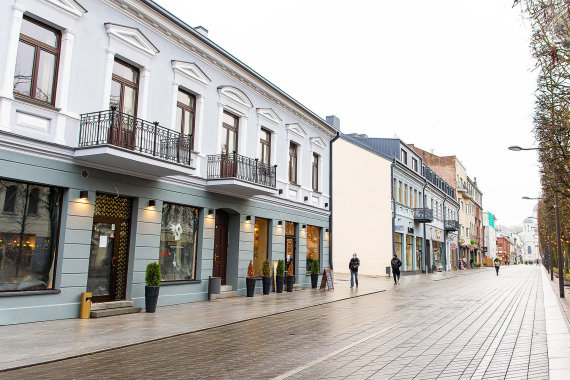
<point x="108" y="78"/>
<point x="198" y="131"/>
<point x="64" y="75"/>
<point x="7" y="79"/>
<point x="143" y="93"/>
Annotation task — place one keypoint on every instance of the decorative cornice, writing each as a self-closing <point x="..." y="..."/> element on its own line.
<point x="269" y="114"/>
<point x="69" y="7"/>
<point x="318" y="142"/>
<point x="191" y="70"/>
<point x="235" y="95"/>
<point x="132" y="37"/>
<point x="296" y="129"/>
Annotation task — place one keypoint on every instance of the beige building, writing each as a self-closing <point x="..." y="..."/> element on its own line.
<point x="361" y="208"/>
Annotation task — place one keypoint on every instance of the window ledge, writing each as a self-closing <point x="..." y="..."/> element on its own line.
<point x="181" y="282"/>
<point x="36" y="103"/>
<point x="19" y="293"/>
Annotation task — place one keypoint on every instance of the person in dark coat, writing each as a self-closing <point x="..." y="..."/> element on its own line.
<point x="353" y="266"/>
<point x="497" y="263"/>
<point x="396" y="264"/>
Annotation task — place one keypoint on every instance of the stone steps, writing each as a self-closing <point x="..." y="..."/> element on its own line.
<point x="226" y="294"/>
<point x="110" y="309"/>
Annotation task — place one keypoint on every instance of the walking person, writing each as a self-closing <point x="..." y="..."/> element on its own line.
<point x="497" y="263"/>
<point x="396" y="264"/>
<point x="353" y="266"/>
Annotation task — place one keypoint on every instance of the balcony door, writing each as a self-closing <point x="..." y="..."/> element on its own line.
<point x="124" y="96"/>
<point x="230" y="128"/>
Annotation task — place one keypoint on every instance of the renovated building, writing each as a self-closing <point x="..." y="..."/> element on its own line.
<point x="490" y="237"/>
<point x="127" y="137"/>
<point x="424" y="207"/>
<point x="361" y="211"/>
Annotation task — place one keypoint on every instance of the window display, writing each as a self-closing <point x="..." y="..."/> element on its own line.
<point x="418" y="253"/>
<point x="178" y="242"/>
<point x="409" y="252"/>
<point x="29" y="229"/>
<point x="313" y="245"/>
<point x="398" y="245"/>
<point x="260" y="240"/>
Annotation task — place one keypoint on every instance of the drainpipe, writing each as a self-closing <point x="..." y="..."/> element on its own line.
<point x="424" y="253"/>
<point x="331" y="198"/>
<point x="392" y="165"/>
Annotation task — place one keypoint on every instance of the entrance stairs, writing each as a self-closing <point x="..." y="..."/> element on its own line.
<point x="225" y="292"/>
<point x="109" y="309"/>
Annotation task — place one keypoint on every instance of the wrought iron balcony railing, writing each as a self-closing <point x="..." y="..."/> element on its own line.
<point x="423" y="215"/>
<point x="452" y="225"/>
<point x="237" y="166"/>
<point x="128" y="132"/>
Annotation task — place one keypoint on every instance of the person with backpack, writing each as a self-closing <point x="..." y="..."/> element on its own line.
<point x="497" y="263"/>
<point x="353" y="266"/>
<point x="396" y="264"/>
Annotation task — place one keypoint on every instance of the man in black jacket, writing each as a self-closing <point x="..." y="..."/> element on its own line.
<point x="396" y="264"/>
<point x="353" y="266"/>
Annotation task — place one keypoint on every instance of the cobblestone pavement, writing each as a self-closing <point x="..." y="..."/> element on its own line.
<point x="475" y="325"/>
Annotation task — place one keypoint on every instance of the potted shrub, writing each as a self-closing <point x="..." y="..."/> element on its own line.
<point x="280" y="278"/>
<point x="314" y="273"/>
<point x="290" y="277"/>
<point x="152" y="279"/>
<point x="250" y="281"/>
<point x="266" y="277"/>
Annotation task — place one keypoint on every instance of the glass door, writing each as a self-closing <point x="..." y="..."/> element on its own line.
<point x="102" y="259"/>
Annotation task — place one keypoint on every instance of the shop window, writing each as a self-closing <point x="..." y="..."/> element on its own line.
<point x="35" y="76"/>
<point x="409" y="252"/>
<point x="313" y="245"/>
<point x="290" y="243"/>
<point x="178" y="242"/>
<point x="260" y="244"/>
<point x="398" y="244"/>
<point x="28" y="250"/>
<point x="418" y="253"/>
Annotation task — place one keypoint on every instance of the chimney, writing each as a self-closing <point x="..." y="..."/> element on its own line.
<point x="203" y="31"/>
<point x="334" y="122"/>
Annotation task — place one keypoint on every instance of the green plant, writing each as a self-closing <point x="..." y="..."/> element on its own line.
<point x="473" y="242"/>
<point x="281" y="268"/>
<point x="250" y="270"/>
<point x="315" y="267"/>
<point x="266" y="269"/>
<point x="152" y="277"/>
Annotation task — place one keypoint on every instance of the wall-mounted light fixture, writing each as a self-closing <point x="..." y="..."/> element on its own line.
<point x="248" y="218"/>
<point x="326" y="205"/>
<point x="210" y="212"/>
<point x="280" y="191"/>
<point x="152" y="203"/>
<point x="306" y="198"/>
<point x="327" y="230"/>
<point x="304" y="226"/>
<point x="280" y="223"/>
<point x="83" y="194"/>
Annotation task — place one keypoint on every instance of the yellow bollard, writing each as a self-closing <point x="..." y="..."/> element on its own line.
<point x="85" y="307"/>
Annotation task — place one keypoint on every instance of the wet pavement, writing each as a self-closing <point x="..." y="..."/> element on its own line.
<point x="470" y="324"/>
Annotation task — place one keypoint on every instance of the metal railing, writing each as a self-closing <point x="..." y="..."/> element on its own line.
<point x="423" y="214"/>
<point x="452" y="225"/>
<point x="125" y="131"/>
<point x="233" y="165"/>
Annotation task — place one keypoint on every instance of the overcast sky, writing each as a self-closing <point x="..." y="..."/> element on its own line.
<point x="452" y="76"/>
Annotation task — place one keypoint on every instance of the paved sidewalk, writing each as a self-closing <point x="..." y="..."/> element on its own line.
<point x="39" y="342"/>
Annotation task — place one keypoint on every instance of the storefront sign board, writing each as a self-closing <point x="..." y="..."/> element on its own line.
<point x="327" y="280"/>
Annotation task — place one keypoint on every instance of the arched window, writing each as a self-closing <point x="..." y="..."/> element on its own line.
<point x="10" y="199"/>
<point x="34" y="201"/>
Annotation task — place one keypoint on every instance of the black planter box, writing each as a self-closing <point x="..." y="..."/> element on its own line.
<point x="290" y="282"/>
<point x="151" y="298"/>
<point x="266" y="285"/>
<point x="250" y="285"/>
<point x="280" y="281"/>
<point x="214" y="286"/>
<point x="314" y="280"/>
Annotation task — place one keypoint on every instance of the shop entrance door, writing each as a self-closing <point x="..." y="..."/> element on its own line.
<point x="108" y="257"/>
<point x="221" y="245"/>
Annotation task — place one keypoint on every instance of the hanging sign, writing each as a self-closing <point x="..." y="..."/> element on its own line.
<point x="327" y="280"/>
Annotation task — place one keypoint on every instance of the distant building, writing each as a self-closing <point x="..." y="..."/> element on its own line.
<point x="490" y="234"/>
<point x="529" y="237"/>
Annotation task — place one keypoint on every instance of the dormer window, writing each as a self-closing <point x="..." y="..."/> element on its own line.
<point x="414" y="164"/>
<point x="404" y="157"/>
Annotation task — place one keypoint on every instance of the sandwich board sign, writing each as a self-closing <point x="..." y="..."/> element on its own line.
<point x="327" y="280"/>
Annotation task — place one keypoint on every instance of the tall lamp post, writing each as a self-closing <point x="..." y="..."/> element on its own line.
<point x="517" y="148"/>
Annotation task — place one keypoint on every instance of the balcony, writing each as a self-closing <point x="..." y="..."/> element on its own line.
<point x="452" y="225"/>
<point x="241" y="175"/>
<point x="423" y="215"/>
<point x="119" y="140"/>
